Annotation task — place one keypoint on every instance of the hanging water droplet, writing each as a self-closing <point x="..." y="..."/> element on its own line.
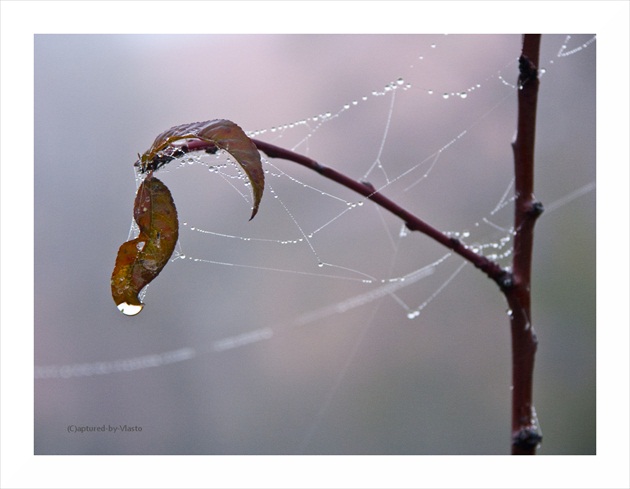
<point x="430" y="92"/>
<point x="400" y="81"/>
<point x="463" y="95"/>
<point x="130" y="309"/>
<point x="320" y="265"/>
<point x="445" y="96"/>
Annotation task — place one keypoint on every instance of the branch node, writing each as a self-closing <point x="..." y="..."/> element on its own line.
<point x="528" y="438"/>
<point x="536" y="209"/>
<point x="319" y="168"/>
<point x="505" y="280"/>
<point x="455" y="242"/>
<point x="527" y="70"/>
<point x="369" y="186"/>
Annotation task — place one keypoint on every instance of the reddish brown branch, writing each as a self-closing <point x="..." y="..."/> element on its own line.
<point x="526" y="435"/>
<point x="414" y="223"/>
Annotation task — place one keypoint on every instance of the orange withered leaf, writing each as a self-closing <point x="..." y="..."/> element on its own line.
<point x="140" y="260"/>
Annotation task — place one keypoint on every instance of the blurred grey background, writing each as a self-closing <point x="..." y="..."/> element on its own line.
<point x="365" y="381"/>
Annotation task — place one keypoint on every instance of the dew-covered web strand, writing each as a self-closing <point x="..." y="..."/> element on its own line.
<point x="432" y="159"/>
<point x="350" y="205"/>
<point x="302" y="238"/>
<point x="377" y="162"/>
<point x="125" y="365"/>
<point x="383" y="287"/>
<point x="565" y="50"/>
<point x="388" y="289"/>
<point x="367" y="298"/>
<point x="306" y="238"/>
<point x="326" y="117"/>
<point x="325" y="404"/>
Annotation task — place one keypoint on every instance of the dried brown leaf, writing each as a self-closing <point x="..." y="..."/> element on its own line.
<point x="221" y="133"/>
<point x="140" y="260"/>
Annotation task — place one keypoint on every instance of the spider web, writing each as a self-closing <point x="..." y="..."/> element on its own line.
<point x="433" y="136"/>
<point x="489" y="234"/>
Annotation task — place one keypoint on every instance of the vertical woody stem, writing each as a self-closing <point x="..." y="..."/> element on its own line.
<point x="526" y="435"/>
